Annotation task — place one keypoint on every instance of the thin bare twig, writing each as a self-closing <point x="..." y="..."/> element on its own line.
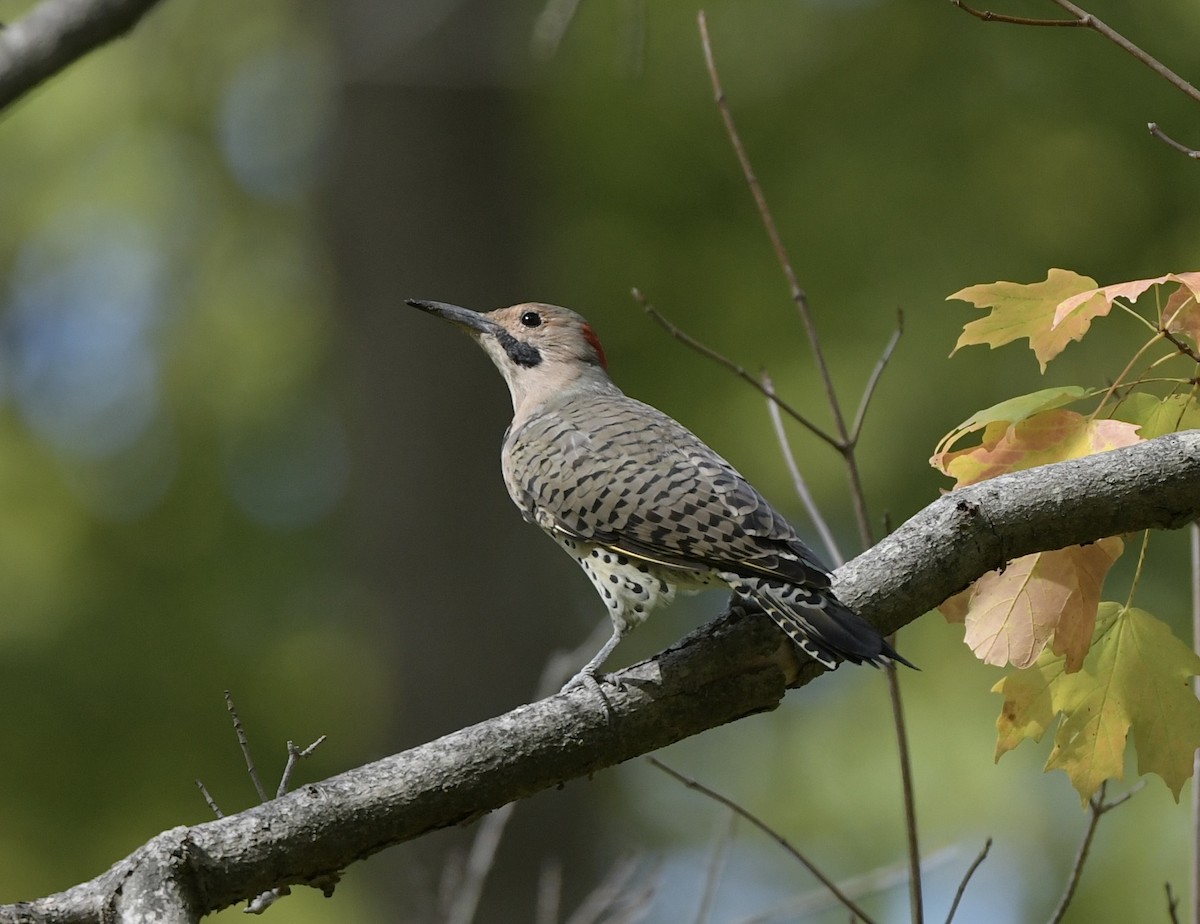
<point x="767" y="830"/>
<point x="634" y="907"/>
<point x="716" y="865"/>
<point x="692" y="343"/>
<point x="549" y="892"/>
<point x="872" y="882"/>
<point x="907" y="788"/>
<point x="962" y="886"/>
<point x="264" y="900"/>
<point x="842" y="443"/>
<point x="1084" y="19"/>
<point x="845" y="444"/>
<point x="551" y="26"/>
<point x="1124" y="44"/>
<point x="464" y="886"/>
<point x="1170" y="142"/>
<point x="806" y="498"/>
<point x="295" y="755"/>
<point x="1172" y="905"/>
<point x="798" y="294"/>
<point x="212" y="803"/>
<point x="989" y="16"/>
<point x="873" y="381"/>
<point x="1098" y="809"/>
<point x="449" y="880"/>
<point x="478" y="864"/>
<point x="244" y="744"/>
<point x="601" y="898"/>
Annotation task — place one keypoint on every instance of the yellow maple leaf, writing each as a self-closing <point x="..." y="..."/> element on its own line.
<point x="1028" y="709"/>
<point x="1028" y="311"/>
<point x="1048" y="436"/>
<point x="1013" y="613"/>
<point x="1135" y="680"/>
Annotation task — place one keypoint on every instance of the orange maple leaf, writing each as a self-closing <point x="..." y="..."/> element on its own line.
<point x="1049" y="436"/>
<point x="1181" y="314"/>
<point x="1013" y="613"/>
<point x="1188" y="287"/>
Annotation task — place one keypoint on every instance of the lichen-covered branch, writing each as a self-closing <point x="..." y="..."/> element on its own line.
<point x="730" y="668"/>
<point x="56" y="33"/>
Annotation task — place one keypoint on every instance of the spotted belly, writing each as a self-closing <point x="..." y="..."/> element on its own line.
<point x="630" y="587"/>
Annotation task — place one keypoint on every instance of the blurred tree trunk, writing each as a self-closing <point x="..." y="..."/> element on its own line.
<point x="423" y="201"/>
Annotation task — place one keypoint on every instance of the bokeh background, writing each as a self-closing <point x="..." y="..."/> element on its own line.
<point x="231" y="459"/>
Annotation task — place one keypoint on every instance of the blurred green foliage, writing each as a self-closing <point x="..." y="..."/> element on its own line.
<point x="170" y="444"/>
<point x="175" y="453"/>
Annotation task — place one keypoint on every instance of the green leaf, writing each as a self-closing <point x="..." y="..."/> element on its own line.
<point x="1019" y="408"/>
<point x="1168" y="415"/>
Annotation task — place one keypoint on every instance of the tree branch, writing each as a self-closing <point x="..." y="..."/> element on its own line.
<point x="724" y="671"/>
<point x="55" y="34"/>
<point x="1084" y="19"/>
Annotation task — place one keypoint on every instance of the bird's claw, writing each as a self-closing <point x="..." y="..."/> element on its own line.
<point x="593" y="681"/>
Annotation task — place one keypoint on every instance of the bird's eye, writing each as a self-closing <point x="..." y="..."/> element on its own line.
<point x="531" y="319"/>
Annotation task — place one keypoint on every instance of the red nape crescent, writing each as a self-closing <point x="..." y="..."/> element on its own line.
<point x="590" y="336"/>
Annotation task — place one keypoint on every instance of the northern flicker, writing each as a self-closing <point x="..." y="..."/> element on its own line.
<point x="643" y="505"/>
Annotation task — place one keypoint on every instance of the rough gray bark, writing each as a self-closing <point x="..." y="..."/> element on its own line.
<point x="728" y="669"/>
<point x="55" y="34"/>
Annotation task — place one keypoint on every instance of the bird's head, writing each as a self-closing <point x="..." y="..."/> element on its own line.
<point x="541" y="350"/>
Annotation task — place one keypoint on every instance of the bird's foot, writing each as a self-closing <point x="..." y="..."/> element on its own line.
<point x="594" y="681"/>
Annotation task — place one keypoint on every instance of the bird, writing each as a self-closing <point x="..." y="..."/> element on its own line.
<point x="644" y="506"/>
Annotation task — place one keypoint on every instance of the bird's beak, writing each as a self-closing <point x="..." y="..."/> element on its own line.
<point x="471" y="321"/>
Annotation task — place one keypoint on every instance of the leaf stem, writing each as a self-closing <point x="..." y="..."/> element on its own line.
<point x="1132" y="312"/>
<point x="1124" y="372"/>
<point x="1137" y="573"/>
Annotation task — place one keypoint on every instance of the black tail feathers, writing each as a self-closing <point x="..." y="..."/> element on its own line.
<point x="820" y="624"/>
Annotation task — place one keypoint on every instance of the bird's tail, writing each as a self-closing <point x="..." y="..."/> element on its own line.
<point x="820" y="624"/>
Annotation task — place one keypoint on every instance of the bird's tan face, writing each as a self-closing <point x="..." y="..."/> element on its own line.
<point x="540" y="349"/>
<point x="556" y="335"/>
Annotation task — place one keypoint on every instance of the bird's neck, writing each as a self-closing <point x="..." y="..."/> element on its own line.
<point x="533" y="402"/>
